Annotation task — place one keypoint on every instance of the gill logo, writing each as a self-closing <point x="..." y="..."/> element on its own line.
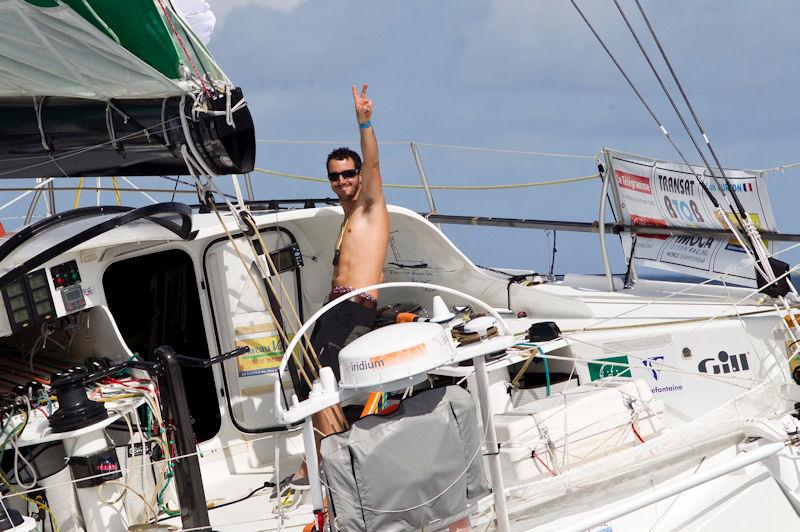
<point x="724" y="363"/>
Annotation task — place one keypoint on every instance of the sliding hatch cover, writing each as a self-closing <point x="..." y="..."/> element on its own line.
<point x="241" y="318"/>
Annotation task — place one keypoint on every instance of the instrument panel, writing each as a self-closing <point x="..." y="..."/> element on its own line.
<point x="29" y="299"/>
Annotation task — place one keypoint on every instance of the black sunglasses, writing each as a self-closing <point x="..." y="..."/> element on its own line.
<point x="347" y="174"/>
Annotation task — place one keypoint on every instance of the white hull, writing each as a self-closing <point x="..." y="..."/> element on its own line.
<point x="694" y="410"/>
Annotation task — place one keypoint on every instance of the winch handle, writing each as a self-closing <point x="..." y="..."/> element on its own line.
<point x="85" y="378"/>
<point x="206" y="363"/>
<point x="278" y="376"/>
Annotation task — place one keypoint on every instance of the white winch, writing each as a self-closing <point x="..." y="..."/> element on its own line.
<point x="395" y="356"/>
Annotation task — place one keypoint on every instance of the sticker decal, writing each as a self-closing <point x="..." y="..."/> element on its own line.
<point x="724" y="363"/>
<point x="618" y="367"/>
<point x="653" y="360"/>
<point x="264" y="357"/>
<point x="661" y="381"/>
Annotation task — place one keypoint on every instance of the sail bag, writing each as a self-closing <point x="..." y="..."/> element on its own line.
<point x="420" y="466"/>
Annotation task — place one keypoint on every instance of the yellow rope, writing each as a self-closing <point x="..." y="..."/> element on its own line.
<point x="448" y="187"/>
<point x="116" y="189"/>
<point x="38" y="502"/>
<point x="78" y="194"/>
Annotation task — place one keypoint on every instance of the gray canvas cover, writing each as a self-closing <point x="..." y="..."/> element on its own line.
<point x="399" y="461"/>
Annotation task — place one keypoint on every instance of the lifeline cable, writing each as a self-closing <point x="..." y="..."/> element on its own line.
<point x="446" y="187"/>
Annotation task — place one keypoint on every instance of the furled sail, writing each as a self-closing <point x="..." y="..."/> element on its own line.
<point x="101" y="87"/>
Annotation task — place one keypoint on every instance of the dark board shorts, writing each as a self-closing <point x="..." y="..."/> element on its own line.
<point x="334" y="330"/>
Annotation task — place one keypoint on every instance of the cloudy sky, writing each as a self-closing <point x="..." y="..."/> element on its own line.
<point x="515" y="75"/>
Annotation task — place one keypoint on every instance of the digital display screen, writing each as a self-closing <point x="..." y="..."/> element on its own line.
<point x="17" y="303"/>
<point x="44" y="308"/>
<point x="29" y="300"/>
<point x="14" y="289"/>
<point x="36" y="281"/>
<point x="22" y="315"/>
<point x="284" y="261"/>
<point x="41" y="294"/>
<point x="73" y="295"/>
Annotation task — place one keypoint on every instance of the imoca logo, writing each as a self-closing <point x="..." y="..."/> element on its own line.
<point x="724" y="363"/>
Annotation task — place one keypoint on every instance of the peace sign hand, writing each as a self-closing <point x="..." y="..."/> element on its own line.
<point x="363" y="105"/>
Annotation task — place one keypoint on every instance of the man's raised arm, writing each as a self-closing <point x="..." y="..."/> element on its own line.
<point x="370" y="168"/>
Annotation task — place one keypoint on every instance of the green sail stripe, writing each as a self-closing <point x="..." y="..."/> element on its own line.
<point x="140" y="28"/>
<point x="43" y="3"/>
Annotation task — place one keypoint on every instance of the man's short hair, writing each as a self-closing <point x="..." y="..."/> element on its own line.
<point x="340" y="154"/>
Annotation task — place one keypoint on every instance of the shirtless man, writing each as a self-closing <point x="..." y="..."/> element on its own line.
<point x="360" y="248"/>
<point x="359" y="253"/>
<point x="362" y="245"/>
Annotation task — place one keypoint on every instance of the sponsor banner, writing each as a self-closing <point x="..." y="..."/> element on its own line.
<point x="652" y="359"/>
<point x="669" y="195"/>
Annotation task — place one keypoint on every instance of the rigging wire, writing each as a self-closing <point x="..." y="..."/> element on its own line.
<point x="191" y="42"/>
<point x="759" y="254"/>
<point x="715" y="203"/>
<point x="177" y="458"/>
<point x="770" y="170"/>
<point x="684" y="291"/>
<point x="740" y="214"/>
<point x="690" y="107"/>
<point x="751" y="231"/>
<point x="211" y="188"/>
<point x="183" y="46"/>
<point x="641" y="98"/>
<point x="432" y="145"/>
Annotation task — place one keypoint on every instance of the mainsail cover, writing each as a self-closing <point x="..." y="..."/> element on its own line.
<point x="97" y="86"/>
<point x="667" y="194"/>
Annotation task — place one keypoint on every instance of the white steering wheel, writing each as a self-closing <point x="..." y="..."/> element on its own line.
<point x="279" y="409"/>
